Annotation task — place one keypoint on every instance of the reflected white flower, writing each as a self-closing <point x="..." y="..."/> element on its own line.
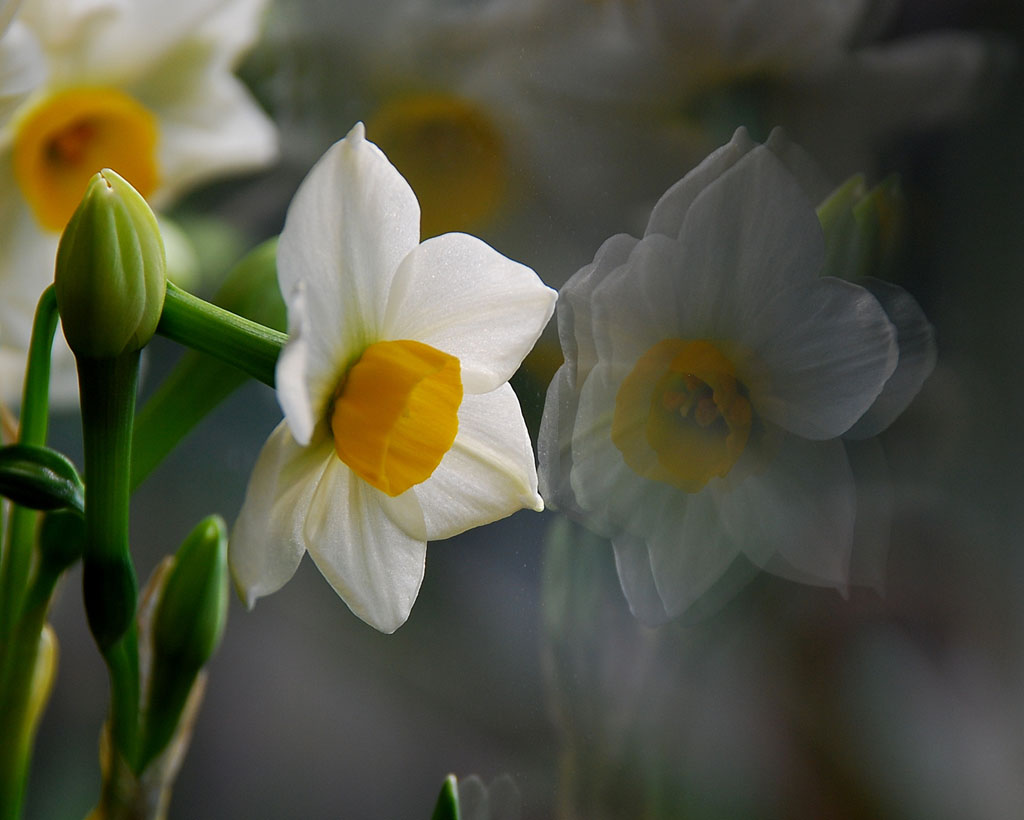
<point x="710" y="372"/>
<point x="400" y="425"/>
<point x="513" y="117"/>
<point x="145" y="88"/>
<point x="498" y="800"/>
<point x="836" y="75"/>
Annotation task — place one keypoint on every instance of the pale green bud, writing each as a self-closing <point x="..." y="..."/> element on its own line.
<point x="111" y="271"/>
<point x="863" y="228"/>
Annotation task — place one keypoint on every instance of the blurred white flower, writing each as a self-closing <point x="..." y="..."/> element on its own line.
<point x="400" y="425"/>
<point x="515" y="118"/>
<point x="710" y="371"/>
<point x="834" y="74"/>
<point x="145" y="88"/>
<point x="498" y="800"/>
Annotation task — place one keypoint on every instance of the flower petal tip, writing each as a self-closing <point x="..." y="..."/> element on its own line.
<point x="356" y="135"/>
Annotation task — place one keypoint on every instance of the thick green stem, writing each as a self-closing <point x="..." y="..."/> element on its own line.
<point x="16" y="560"/>
<point x="247" y="345"/>
<point x="107" y="388"/>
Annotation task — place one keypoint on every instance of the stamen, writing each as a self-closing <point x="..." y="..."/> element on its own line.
<point x="680" y="415"/>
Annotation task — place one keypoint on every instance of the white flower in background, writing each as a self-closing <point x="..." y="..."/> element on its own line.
<point x="515" y="118"/>
<point x="400" y="425"/>
<point x="710" y="371"/>
<point x="497" y="800"/>
<point x="453" y="94"/>
<point x="833" y="74"/>
<point x="143" y="87"/>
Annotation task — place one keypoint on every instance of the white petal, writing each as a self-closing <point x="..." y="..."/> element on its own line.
<point x="209" y="127"/>
<point x="25" y="271"/>
<point x="371" y="562"/>
<point x="458" y="294"/>
<point x="609" y="492"/>
<point x="266" y="542"/>
<point x="125" y="40"/>
<point x="22" y="68"/>
<point x="917" y="354"/>
<point x="576" y="328"/>
<point x="755" y="233"/>
<point x="690" y="549"/>
<point x="488" y="473"/>
<point x="822" y="353"/>
<point x="652" y="296"/>
<point x="554" y="442"/>
<point x="633" y="562"/>
<point x="801" y="507"/>
<point x="670" y="211"/>
<point x="352" y="221"/>
<point x="302" y="390"/>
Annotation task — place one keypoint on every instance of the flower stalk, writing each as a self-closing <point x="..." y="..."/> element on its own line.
<point x="242" y="343"/>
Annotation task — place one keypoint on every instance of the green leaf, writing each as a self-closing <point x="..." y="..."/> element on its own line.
<point x="40" y="478"/>
<point x="447" y="807"/>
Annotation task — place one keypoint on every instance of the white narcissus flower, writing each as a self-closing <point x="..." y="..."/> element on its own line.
<point x="710" y="373"/>
<point x="146" y="88"/>
<point x="400" y="425"/>
<point x="834" y="74"/>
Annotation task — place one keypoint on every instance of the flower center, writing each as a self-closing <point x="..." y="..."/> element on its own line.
<point x="70" y="135"/>
<point x="681" y="416"/>
<point x="396" y="413"/>
<point x="452" y="155"/>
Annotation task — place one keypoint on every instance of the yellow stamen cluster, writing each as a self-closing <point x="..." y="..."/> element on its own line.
<point x="681" y="416"/>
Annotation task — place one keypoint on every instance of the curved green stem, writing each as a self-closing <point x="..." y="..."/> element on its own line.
<point x="16" y="560"/>
<point x="247" y="345"/>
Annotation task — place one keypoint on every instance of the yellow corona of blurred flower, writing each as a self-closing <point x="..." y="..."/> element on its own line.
<point x="711" y="371"/>
<point x="145" y="88"/>
<point x="400" y="425"/>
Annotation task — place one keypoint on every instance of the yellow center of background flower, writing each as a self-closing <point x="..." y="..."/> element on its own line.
<point x="396" y="413"/>
<point x="451" y="154"/>
<point x="681" y="416"/>
<point x="69" y="136"/>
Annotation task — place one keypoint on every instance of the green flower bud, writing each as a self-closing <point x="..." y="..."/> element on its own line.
<point x="110" y="276"/>
<point x="187" y="626"/>
<point x="863" y="229"/>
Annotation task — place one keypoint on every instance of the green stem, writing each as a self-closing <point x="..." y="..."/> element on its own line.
<point x="247" y="345"/>
<point x="23" y="693"/>
<point x="107" y="389"/>
<point x="16" y="560"/>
